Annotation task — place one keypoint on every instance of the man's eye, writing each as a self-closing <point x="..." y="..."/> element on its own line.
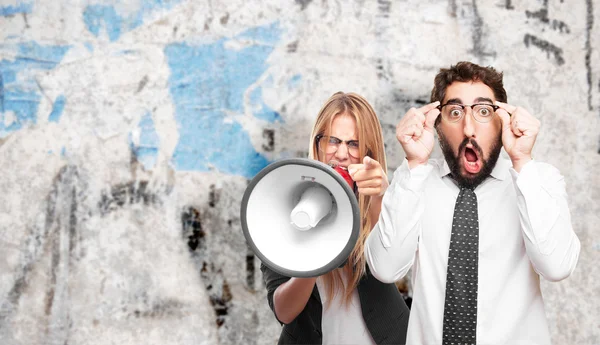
<point x="485" y="112"/>
<point x="457" y="112"/>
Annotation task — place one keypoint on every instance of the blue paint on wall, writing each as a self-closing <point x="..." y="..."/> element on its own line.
<point x="20" y="97"/>
<point x="146" y="150"/>
<point x="266" y="34"/>
<point x="11" y="10"/>
<point x="57" y="109"/>
<point x="1" y="93"/>
<point x="97" y="17"/>
<point x="295" y="81"/>
<point x="262" y="111"/>
<point x="207" y="83"/>
<point x="21" y="106"/>
<point x="102" y="17"/>
<point x="8" y="76"/>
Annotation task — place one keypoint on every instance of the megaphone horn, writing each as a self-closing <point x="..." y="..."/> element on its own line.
<point x="300" y="217"/>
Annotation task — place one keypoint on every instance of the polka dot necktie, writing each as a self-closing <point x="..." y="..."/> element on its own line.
<point x="460" y="306"/>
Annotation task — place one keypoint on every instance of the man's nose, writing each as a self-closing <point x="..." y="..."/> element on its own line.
<point x="469" y="124"/>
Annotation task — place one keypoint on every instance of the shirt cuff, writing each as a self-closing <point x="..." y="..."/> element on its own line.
<point x="412" y="179"/>
<point x="527" y="179"/>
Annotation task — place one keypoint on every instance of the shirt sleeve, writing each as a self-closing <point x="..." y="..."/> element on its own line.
<point x="272" y="280"/>
<point x="551" y="244"/>
<point x="391" y="245"/>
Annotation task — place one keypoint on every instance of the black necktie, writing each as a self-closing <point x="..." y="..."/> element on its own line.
<point x="460" y="306"/>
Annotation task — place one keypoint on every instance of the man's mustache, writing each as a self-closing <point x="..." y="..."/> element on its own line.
<point x="476" y="147"/>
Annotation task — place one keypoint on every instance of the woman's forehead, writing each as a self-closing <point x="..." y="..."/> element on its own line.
<point x="344" y="127"/>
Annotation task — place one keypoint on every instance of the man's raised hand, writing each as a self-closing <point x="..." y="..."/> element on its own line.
<point x="415" y="132"/>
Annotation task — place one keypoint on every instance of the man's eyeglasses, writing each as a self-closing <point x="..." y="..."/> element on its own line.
<point x="329" y="145"/>
<point x="454" y="112"/>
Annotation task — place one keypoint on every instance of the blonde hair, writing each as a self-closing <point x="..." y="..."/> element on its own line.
<point x="370" y="139"/>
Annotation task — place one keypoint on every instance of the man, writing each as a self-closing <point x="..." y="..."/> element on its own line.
<point x="478" y="230"/>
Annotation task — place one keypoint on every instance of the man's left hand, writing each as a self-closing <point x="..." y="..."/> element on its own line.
<point x="519" y="130"/>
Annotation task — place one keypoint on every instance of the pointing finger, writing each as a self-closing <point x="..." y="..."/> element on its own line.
<point x="370" y="163"/>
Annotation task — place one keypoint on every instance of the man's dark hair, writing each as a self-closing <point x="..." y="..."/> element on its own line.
<point x="465" y="71"/>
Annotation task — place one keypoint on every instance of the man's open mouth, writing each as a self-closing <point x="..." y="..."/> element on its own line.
<point x="471" y="160"/>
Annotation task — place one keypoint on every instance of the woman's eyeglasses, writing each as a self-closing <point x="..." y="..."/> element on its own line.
<point x="329" y="145"/>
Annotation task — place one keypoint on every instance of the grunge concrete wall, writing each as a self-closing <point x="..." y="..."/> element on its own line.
<point x="130" y="129"/>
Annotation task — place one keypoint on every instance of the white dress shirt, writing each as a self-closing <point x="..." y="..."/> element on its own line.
<point x="524" y="232"/>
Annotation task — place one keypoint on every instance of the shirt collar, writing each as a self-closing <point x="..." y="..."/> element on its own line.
<point x="499" y="172"/>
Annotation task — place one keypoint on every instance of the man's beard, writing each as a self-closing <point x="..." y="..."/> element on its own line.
<point x="455" y="167"/>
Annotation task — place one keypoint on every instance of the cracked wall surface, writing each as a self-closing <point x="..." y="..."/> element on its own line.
<point x="129" y="131"/>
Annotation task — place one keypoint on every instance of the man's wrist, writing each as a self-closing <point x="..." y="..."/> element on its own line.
<point x="518" y="163"/>
<point x="413" y="163"/>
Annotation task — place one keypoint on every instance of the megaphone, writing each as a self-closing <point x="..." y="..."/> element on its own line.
<point x="300" y="217"/>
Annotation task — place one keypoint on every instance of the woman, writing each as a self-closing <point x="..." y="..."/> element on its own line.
<point x="347" y="305"/>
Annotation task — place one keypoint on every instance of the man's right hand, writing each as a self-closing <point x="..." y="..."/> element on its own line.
<point x="415" y="132"/>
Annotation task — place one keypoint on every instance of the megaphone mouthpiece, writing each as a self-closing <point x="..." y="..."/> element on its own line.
<point x="315" y="203"/>
<point x="342" y="170"/>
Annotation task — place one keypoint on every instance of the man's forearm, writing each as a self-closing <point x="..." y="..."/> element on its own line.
<point x="391" y="246"/>
<point x="550" y="241"/>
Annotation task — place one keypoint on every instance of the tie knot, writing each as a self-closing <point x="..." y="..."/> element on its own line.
<point x="467" y="193"/>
